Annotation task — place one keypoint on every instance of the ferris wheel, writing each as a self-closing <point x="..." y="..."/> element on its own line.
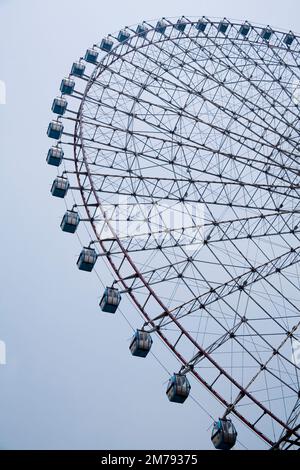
<point x="179" y="147"/>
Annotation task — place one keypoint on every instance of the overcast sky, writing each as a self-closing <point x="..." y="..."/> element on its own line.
<point x="70" y="381"/>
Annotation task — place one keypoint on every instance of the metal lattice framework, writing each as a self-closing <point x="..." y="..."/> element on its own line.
<point x="200" y="113"/>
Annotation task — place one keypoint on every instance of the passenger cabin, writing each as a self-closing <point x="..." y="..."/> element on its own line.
<point x="110" y="300"/>
<point x="59" y="106"/>
<point x="87" y="259"/>
<point x="244" y="29"/>
<point x="78" y="69"/>
<point x="123" y="35"/>
<point x="55" y="130"/>
<point x="55" y="156"/>
<point x="60" y="187"/>
<point x="106" y="45"/>
<point x="141" y="343"/>
<point x="223" y="434"/>
<point x="201" y="26"/>
<point x="289" y="39"/>
<point x="91" y="56"/>
<point x="223" y="26"/>
<point x="67" y="86"/>
<point x="180" y="25"/>
<point x="178" y="388"/>
<point x="70" y="222"/>
<point x="142" y="30"/>
<point x="161" y="27"/>
<point x="266" y="34"/>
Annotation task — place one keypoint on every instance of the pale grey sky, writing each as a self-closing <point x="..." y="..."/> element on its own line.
<point x="70" y="381"/>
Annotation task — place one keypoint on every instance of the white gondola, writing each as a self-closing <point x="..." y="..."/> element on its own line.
<point x="123" y="35"/>
<point x="87" y="259"/>
<point x="78" y="69"/>
<point x="289" y="39"/>
<point x="110" y="300"/>
<point x="266" y="34"/>
<point x="141" y="343"/>
<point x="178" y="388"/>
<point x="180" y="25"/>
<point x="223" y="434"/>
<point x="244" y="29"/>
<point x="70" y="222"/>
<point x="161" y="27"/>
<point x="55" y="130"/>
<point x="223" y="26"/>
<point x="60" y="187"/>
<point x="55" y="156"/>
<point x="106" y="44"/>
<point x="59" y="106"/>
<point x="67" y="86"/>
<point x="142" y="30"/>
<point x="91" y="56"/>
<point x="201" y="26"/>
